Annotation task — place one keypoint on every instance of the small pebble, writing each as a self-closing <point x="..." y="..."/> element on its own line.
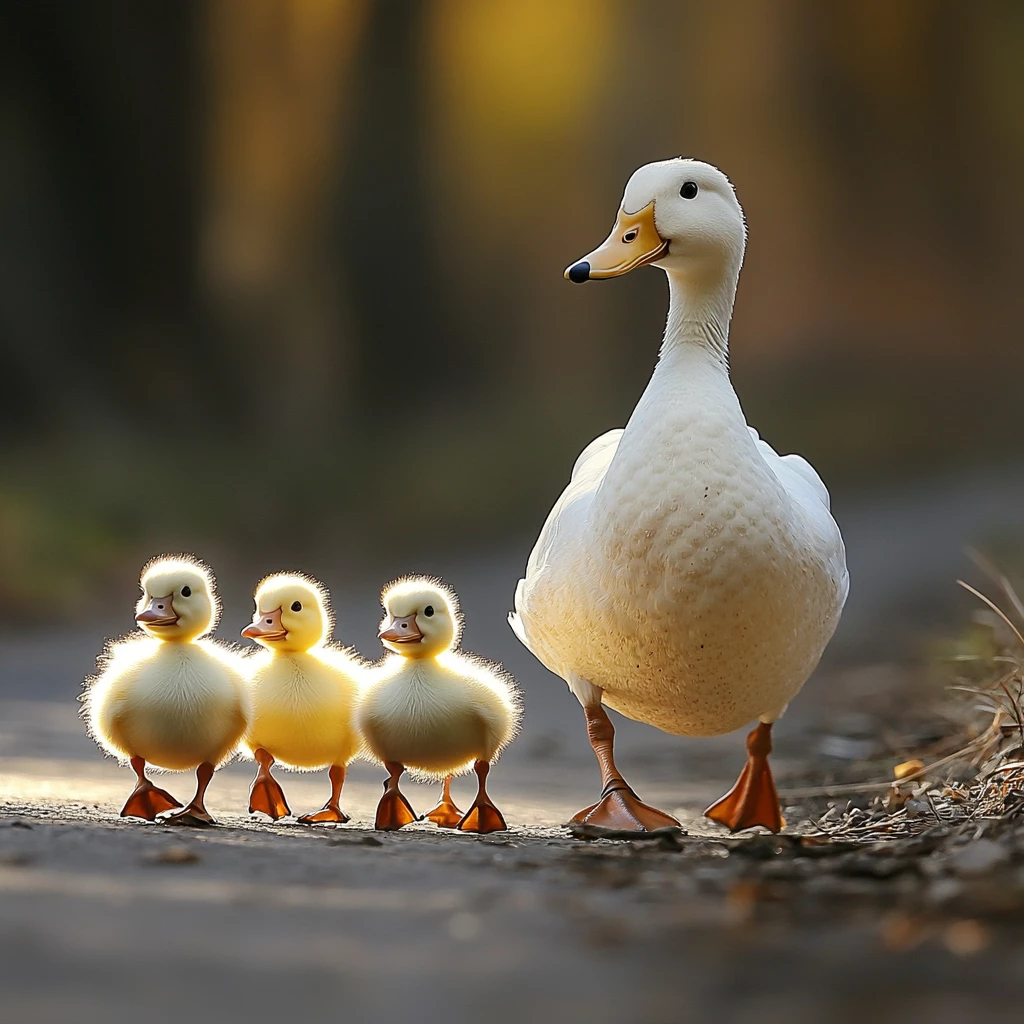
<point x="179" y="854"/>
<point x="966" y="938"/>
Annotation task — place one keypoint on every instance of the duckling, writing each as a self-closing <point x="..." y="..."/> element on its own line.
<point x="435" y="710"/>
<point x="304" y="692"/>
<point x="170" y="696"/>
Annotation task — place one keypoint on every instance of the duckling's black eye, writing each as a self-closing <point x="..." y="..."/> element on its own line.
<point x="689" y="190"/>
<point x="186" y="591"/>
<point x="429" y="610"/>
<point x="296" y="606"/>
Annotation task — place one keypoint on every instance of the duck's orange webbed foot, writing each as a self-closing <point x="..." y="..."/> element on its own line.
<point x="446" y="814"/>
<point x="619" y="807"/>
<point x="393" y="811"/>
<point x="327" y="813"/>
<point x="331" y="811"/>
<point x="483" y="816"/>
<point x="753" y="800"/>
<point x="266" y="794"/>
<point x="146" y="800"/>
<point x="195" y="815"/>
<point x="622" y="810"/>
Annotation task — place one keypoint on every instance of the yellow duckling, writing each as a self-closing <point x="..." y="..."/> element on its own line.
<point x="304" y="692"/>
<point x="433" y="709"/>
<point x="171" y="696"/>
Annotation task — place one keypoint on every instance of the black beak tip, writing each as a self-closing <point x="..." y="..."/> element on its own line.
<point x="579" y="272"/>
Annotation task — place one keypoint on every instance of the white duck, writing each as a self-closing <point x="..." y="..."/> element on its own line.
<point x="688" y="577"/>
<point x="433" y="709"/>
<point x="304" y="692"/>
<point x="170" y="696"/>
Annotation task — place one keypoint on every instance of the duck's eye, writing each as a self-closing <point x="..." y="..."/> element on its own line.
<point x="186" y="591"/>
<point x="630" y="235"/>
<point x="689" y="190"/>
<point x="429" y="610"/>
<point x="296" y="606"/>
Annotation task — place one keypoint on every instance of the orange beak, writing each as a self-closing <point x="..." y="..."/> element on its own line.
<point x="159" y="612"/>
<point x="401" y="631"/>
<point x="634" y="242"/>
<point x="265" y="626"/>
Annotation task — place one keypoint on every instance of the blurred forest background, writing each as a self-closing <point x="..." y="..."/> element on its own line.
<point x="283" y="277"/>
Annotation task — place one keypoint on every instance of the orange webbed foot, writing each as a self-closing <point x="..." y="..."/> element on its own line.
<point x="445" y="814"/>
<point x="622" y="810"/>
<point x="393" y="811"/>
<point x="483" y="817"/>
<point x="753" y="800"/>
<point x="328" y="813"/>
<point x="193" y="816"/>
<point x="147" y="801"/>
<point x="267" y="796"/>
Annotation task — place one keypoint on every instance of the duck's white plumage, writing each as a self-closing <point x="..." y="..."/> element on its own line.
<point x="688" y="572"/>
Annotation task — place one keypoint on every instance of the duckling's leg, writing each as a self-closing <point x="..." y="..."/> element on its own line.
<point x="266" y="794"/>
<point x="331" y="811"/>
<point x="394" y="810"/>
<point x="483" y="816"/>
<point x="445" y="814"/>
<point x="619" y="807"/>
<point x="753" y="800"/>
<point x="196" y="813"/>
<point x="146" y="800"/>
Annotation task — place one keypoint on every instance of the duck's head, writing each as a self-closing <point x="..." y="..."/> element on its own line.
<point x="293" y="613"/>
<point x="681" y="215"/>
<point x="179" y="598"/>
<point x="422" y="617"/>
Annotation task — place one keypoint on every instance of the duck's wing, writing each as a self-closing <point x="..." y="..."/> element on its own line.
<point x="808" y="490"/>
<point x="564" y="523"/>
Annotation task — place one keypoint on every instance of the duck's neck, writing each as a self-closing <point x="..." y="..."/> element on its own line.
<point x="698" y="319"/>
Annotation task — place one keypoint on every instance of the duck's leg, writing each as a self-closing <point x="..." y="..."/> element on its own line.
<point x="483" y="816"/>
<point x="331" y="811"/>
<point x="394" y="810"/>
<point x="619" y="807"/>
<point x="445" y="814"/>
<point x="196" y="814"/>
<point x="266" y="794"/>
<point x="146" y="800"/>
<point x="753" y="800"/>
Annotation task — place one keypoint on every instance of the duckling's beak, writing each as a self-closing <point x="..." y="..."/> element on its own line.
<point x="159" y="612"/>
<point x="265" y="626"/>
<point x="401" y="631"/>
<point x="634" y="242"/>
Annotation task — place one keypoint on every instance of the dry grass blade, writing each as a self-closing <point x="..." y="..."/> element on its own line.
<point x="999" y="578"/>
<point x="981" y="597"/>
<point x="978" y="743"/>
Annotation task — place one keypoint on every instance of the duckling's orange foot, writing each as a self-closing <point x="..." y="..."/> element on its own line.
<point x="445" y="815"/>
<point x="147" y="801"/>
<point x="193" y="816"/>
<point x="623" y="810"/>
<point x="328" y="813"/>
<point x="266" y="795"/>
<point x="483" y="817"/>
<point x="393" y="811"/>
<point x="753" y="800"/>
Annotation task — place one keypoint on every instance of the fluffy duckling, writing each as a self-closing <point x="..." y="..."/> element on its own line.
<point x="304" y="692"/>
<point x="170" y="696"/>
<point x="433" y="709"/>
